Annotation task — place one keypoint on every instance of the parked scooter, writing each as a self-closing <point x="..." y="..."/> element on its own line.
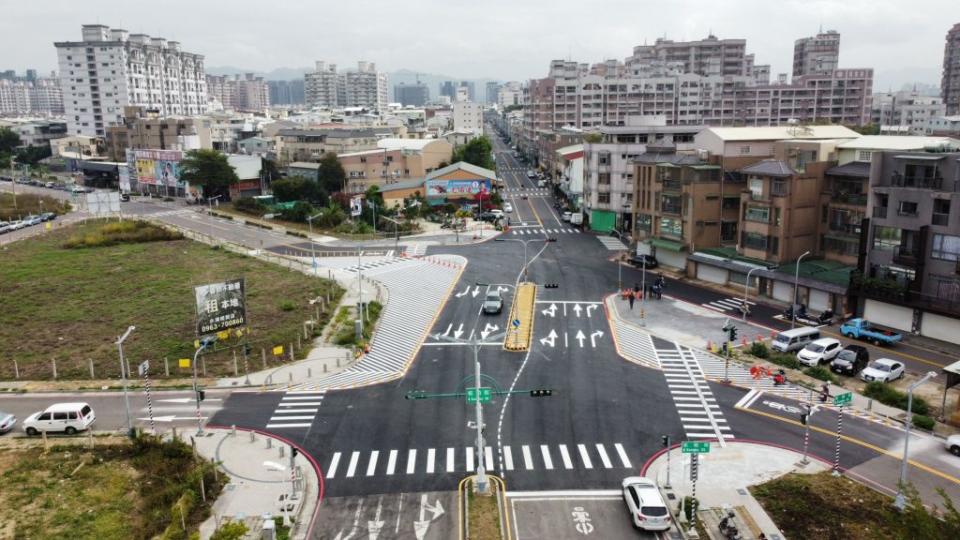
<point x="728" y="529"/>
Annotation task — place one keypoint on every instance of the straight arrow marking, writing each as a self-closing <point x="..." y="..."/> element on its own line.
<point x="580" y="337"/>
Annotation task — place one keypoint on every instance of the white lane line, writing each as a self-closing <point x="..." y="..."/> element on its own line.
<point x="431" y="454"/>
<point x="470" y="458"/>
<point x="623" y="455"/>
<point x="301" y="404"/>
<point x="565" y="456"/>
<point x="584" y="456"/>
<point x="294" y="411"/>
<point x="527" y="459"/>
<point x="372" y="466"/>
<point x="352" y="467"/>
<point x="603" y="456"/>
<point x="411" y="460"/>
<point x="282" y="418"/>
<point x="488" y="458"/>
<point x="391" y="462"/>
<point x="547" y="460"/>
<point x="274" y="426"/>
<point x="450" y="459"/>
<point x="332" y="469"/>
<point x="296" y="398"/>
<point x="508" y="458"/>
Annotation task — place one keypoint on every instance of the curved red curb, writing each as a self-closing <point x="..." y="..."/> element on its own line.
<point x="651" y="459"/>
<point x="310" y="458"/>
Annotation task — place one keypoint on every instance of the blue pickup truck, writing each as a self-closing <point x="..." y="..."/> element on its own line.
<point x="862" y="329"/>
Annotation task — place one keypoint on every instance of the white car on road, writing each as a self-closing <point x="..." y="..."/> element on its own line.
<point x="952" y="444"/>
<point x="648" y="511"/>
<point x="819" y="351"/>
<point x="507" y="207"/>
<point x="882" y="370"/>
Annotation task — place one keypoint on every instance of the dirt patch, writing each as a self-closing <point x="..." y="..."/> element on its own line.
<point x="484" y="517"/>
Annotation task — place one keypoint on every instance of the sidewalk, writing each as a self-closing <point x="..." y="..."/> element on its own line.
<point x="723" y="477"/>
<point x="259" y="469"/>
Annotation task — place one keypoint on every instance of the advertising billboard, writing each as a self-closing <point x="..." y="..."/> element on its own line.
<point x="456" y="188"/>
<point x="159" y="167"/>
<point x="124" y="173"/>
<point x="220" y="306"/>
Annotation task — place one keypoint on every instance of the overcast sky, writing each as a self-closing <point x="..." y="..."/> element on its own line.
<point x="501" y="39"/>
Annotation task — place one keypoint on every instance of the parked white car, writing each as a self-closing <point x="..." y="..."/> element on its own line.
<point x="819" y="351"/>
<point x="648" y="511"/>
<point x="66" y="417"/>
<point x="882" y="370"/>
<point x="566" y="216"/>
<point x="952" y="444"/>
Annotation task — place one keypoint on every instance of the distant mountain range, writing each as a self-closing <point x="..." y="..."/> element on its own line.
<point x="402" y="76"/>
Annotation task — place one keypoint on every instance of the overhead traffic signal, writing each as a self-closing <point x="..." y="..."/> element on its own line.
<point x="541" y="392"/>
<point x="551" y="285"/>
<point x="733" y="333"/>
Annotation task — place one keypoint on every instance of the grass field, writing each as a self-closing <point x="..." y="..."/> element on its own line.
<point x="118" y="489"/>
<point x="837" y="508"/>
<point x="72" y="304"/>
<point x="28" y="203"/>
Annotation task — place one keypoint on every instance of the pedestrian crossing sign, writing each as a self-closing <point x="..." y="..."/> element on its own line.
<point x="278" y="350"/>
<point x="184" y="362"/>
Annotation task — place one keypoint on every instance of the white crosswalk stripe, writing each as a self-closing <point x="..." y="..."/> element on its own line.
<point x="296" y="409"/>
<point x="429" y="461"/>
<point x="699" y="415"/>
<point x="635" y="345"/>
<point x="417" y="289"/>
<point x="727" y="304"/>
<point x="612" y="243"/>
<point x="713" y="368"/>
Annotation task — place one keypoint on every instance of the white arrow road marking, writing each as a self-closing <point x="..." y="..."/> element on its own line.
<point x="171" y="418"/>
<point x="594" y="336"/>
<point x="580" y="337"/>
<point x="591" y="306"/>
<point x="476" y="291"/>
<point x="550" y="339"/>
<point x="449" y="327"/>
<point x="488" y="329"/>
<point x="373" y="527"/>
<point x="551" y="311"/>
<point x="356" y="524"/>
<point x="420" y="527"/>
<point x="502" y="289"/>
<point x="458" y="332"/>
<point x="464" y="293"/>
<point x="577" y="309"/>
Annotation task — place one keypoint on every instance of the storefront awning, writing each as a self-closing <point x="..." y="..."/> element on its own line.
<point x="667" y="244"/>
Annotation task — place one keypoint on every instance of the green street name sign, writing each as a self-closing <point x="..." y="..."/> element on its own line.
<point x="695" y="447"/>
<point x="485" y="394"/>
<point x="843" y="399"/>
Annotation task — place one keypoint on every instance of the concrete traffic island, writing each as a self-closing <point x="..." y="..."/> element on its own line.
<point x="482" y="516"/>
<point x="723" y="477"/>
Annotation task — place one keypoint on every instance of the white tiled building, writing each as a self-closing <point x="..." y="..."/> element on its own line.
<point x="110" y="69"/>
<point x="468" y="116"/>
<point x="38" y="97"/>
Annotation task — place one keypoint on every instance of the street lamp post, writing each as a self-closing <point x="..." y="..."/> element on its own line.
<point x="806" y="432"/>
<point x="901" y="502"/>
<point x="796" y="289"/>
<point x="204" y="343"/>
<point x="524" y="242"/>
<point x="210" y="212"/>
<point x="313" y="253"/>
<point x="746" y="289"/>
<point x="123" y="373"/>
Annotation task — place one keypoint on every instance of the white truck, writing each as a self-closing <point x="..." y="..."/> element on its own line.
<point x="576" y="218"/>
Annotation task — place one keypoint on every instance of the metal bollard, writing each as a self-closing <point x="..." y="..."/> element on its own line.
<point x="309" y="373"/>
<point x="233" y="430"/>
<point x="290" y="376"/>
<point x="253" y="437"/>
<point x="324" y="367"/>
<point x="281" y="450"/>
<point x="269" y="443"/>
<point x="338" y="362"/>
<point x="92" y="374"/>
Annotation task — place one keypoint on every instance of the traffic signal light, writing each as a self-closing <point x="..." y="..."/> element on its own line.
<point x="201" y="394"/>
<point x="665" y="439"/>
<point x="733" y="333"/>
<point x="551" y="285"/>
<point x="804" y="417"/>
<point x="247" y="349"/>
<point x="542" y="392"/>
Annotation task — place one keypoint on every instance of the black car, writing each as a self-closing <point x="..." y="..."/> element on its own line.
<point x="48" y="216"/>
<point x="125" y="197"/>
<point x="851" y="360"/>
<point x="648" y="261"/>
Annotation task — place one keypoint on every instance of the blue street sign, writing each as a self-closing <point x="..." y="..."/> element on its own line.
<point x="516" y="323"/>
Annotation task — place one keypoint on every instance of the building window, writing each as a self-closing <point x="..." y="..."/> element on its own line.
<point x="756" y="189"/>
<point x="644" y="223"/>
<point x="907" y="208"/>
<point x="603" y="179"/>
<point x="886" y="238"/>
<point x="744" y="150"/>
<point x="941" y="212"/>
<point x="754" y="241"/>
<point x="671" y="227"/>
<point x="864" y="155"/>
<point x="731" y="203"/>
<point x="760" y="214"/>
<point x="945" y="247"/>
<point x="728" y="231"/>
<point x="780" y="188"/>
<point x="603" y="198"/>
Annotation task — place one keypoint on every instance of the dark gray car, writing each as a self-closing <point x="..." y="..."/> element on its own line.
<point x="492" y="302"/>
<point x="7" y="421"/>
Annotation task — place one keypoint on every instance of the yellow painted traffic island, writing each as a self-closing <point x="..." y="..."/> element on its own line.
<point x="520" y="325"/>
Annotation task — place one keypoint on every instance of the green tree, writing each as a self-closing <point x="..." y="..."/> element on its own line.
<point x="331" y="175"/>
<point x="300" y="212"/>
<point x="298" y="188"/>
<point x="33" y="154"/>
<point x="210" y="170"/>
<point x="235" y="530"/>
<point x="511" y="108"/>
<point x="9" y="141"/>
<point x="592" y="138"/>
<point x="476" y="152"/>
<point x="269" y="169"/>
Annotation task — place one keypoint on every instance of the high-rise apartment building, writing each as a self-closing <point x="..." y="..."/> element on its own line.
<point x="449" y="89"/>
<point x="468" y="117"/>
<point x="817" y="55"/>
<point x="286" y="92"/>
<point x="491" y="91"/>
<point x="36" y="97"/>
<point x="710" y="56"/>
<point x="905" y="112"/>
<point x="360" y="87"/>
<point x="950" y="83"/>
<point x="510" y="93"/>
<point x="110" y="69"/>
<point x="416" y="95"/>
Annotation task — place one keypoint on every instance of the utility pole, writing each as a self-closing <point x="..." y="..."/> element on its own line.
<point x="901" y="502"/>
<point x="313" y="253"/>
<point x="204" y="343"/>
<point x="123" y="373"/>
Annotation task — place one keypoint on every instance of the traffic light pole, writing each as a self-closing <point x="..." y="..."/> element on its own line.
<point x="482" y="485"/>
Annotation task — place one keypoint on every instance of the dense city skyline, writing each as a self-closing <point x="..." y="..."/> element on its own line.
<point x="874" y="34"/>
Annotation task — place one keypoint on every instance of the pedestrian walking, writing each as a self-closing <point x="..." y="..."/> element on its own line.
<point x="631" y="297"/>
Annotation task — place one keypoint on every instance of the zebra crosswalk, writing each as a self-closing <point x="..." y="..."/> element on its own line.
<point x="700" y="414"/>
<point x="611" y="243"/>
<point x="417" y="289"/>
<point x="297" y="409"/>
<point x="415" y="249"/>
<point x="378" y="263"/>
<point x="634" y="344"/>
<point x="727" y="304"/>
<point x="527" y="457"/>
<point x="715" y="367"/>
<point x="177" y="212"/>
<point x="526" y="191"/>
<point x="536" y="230"/>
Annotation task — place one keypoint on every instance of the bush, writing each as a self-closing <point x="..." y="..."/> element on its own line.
<point x="786" y="360"/>
<point x="821" y="373"/>
<point x="235" y="530"/>
<point x="299" y="212"/>
<point x="759" y="349"/>
<point x="923" y="422"/>
<point x="888" y="395"/>
<point x="249" y="205"/>
<point x="122" y="232"/>
<point x="287" y="305"/>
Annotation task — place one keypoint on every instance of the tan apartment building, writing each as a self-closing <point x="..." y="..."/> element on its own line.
<point x="142" y="130"/>
<point x="310" y="144"/>
<point x="396" y="160"/>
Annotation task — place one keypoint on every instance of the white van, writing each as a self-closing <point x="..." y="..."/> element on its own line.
<point x="66" y="417"/>
<point x="796" y="339"/>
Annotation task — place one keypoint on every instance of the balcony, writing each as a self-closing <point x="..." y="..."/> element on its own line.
<point x="923" y="182"/>
<point x="672" y="185"/>
<point x="672" y="209"/>
<point x="851" y="229"/>
<point x="854" y="199"/>
<point x="906" y="255"/>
